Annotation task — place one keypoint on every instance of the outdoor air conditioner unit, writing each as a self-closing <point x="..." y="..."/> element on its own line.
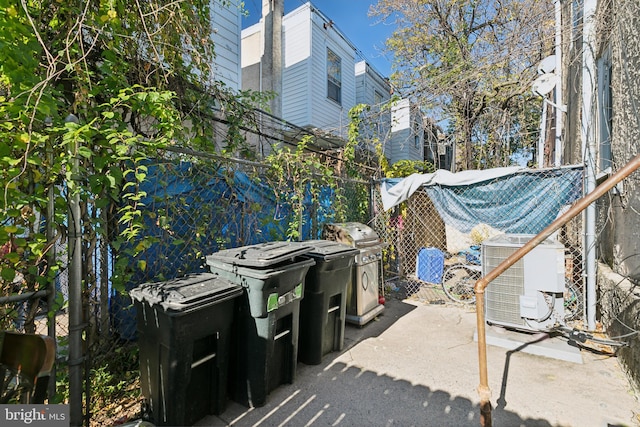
<point x="528" y="295"/>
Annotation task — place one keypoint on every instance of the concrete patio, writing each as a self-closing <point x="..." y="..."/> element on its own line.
<point x="417" y="365"/>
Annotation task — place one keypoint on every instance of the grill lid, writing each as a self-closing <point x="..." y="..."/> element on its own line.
<point x="351" y="233"/>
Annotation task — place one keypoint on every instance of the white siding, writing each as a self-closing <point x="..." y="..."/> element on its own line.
<point x="326" y="113"/>
<point x="401" y="116"/>
<point x="226" y="37"/>
<point x="368" y="82"/>
<point x="377" y="124"/>
<point x="407" y="135"/>
<point x="296" y="36"/>
<point x="296" y="102"/>
<point x="251" y="45"/>
<point x="361" y="84"/>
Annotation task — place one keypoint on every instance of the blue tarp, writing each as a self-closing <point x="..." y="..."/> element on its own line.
<point x="226" y="208"/>
<point x="512" y="200"/>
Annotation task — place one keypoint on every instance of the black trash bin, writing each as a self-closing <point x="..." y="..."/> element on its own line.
<point x="184" y="328"/>
<point x="265" y="338"/>
<point x="323" y="308"/>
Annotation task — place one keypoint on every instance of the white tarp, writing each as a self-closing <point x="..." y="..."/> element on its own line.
<point x="396" y="191"/>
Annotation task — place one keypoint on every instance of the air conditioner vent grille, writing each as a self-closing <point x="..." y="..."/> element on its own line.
<point x="529" y="294"/>
<point x="502" y="296"/>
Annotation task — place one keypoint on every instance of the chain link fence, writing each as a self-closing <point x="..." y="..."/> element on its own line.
<point x="453" y="221"/>
<point x="197" y="204"/>
<point x="192" y="206"/>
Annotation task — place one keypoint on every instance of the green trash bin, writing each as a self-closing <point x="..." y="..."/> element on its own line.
<point x="323" y="308"/>
<point x="265" y="337"/>
<point x="184" y="332"/>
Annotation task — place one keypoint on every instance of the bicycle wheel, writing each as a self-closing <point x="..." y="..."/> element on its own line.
<point x="458" y="281"/>
<point x="573" y="301"/>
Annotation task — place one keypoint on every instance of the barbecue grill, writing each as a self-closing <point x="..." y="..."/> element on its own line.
<point x="363" y="303"/>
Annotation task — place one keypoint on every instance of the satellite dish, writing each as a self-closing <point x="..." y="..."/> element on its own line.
<point x="544" y="84"/>
<point x="547" y="65"/>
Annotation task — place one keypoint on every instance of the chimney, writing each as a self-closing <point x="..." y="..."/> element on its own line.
<point x="271" y="64"/>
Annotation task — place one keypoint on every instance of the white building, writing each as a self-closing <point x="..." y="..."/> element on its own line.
<point x="375" y="91"/>
<point x="323" y="77"/>
<point x="400" y="128"/>
<point x="407" y="133"/>
<point x="371" y="88"/>
<point x="226" y="23"/>
<point x="318" y="80"/>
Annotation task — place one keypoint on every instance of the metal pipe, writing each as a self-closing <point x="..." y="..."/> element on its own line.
<point x="23" y="297"/>
<point x="76" y="324"/>
<point x="51" y="260"/>
<point x="483" y="389"/>
<point x="543" y="136"/>
<point x="589" y="153"/>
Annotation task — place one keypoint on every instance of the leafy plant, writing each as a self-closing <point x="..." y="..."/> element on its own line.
<point x="89" y="91"/>
<point x="297" y="178"/>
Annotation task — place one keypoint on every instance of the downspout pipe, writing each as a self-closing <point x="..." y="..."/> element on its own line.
<point x="543" y="135"/>
<point x="483" y="389"/>
<point x="589" y="153"/>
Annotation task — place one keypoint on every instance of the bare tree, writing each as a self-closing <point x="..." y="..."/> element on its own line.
<point x="469" y="64"/>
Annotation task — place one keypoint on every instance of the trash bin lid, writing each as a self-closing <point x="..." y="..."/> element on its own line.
<point x="260" y="255"/>
<point x="328" y="250"/>
<point x="187" y="292"/>
<point x="231" y="271"/>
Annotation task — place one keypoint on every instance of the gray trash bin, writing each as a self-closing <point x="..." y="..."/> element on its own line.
<point x="265" y="337"/>
<point x="184" y="328"/>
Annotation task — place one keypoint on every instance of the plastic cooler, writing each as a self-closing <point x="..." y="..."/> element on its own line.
<point x="267" y="319"/>
<point x="430" y="265"/>
<point x="184" y="330"/>
<point x="323" y="308"/>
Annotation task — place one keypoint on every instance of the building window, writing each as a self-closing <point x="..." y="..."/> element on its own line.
<point x="334" y="77"/>
<point x="377" y="98"/>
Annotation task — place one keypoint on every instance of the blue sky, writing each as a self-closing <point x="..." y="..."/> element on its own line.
<point x="351" y="18"/>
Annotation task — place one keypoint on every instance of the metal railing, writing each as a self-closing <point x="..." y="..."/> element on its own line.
<point x="483" y="389"/>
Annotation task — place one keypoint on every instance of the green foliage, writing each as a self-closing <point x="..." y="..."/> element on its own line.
<point x="404" y="168"/>
<point x="90" y="92"/>
<point x="349" y="152"/>
<point x="129" y="72"/>
<point x="296" y="175"/>
<point x="114" y="379"/>
<point x="357" y="207"/>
